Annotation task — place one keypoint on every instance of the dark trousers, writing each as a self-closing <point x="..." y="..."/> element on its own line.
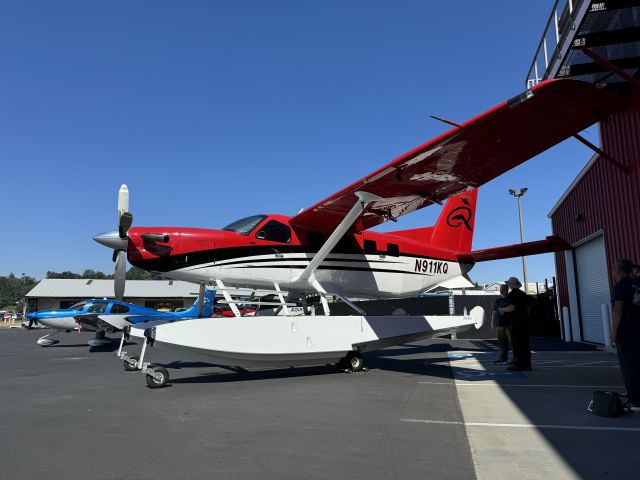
<point x="520" y="344"/>
<point x="629" y="356"/>
<point x="504" y="339"/>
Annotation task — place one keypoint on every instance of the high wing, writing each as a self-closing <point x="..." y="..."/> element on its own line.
<point x="468" y="156"/>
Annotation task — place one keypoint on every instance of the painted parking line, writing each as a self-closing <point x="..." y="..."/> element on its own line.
<point x="461" y="374"/>
<point x="576" y="366"/>
<point x="521" y="425"/>
<point x="501" y="385"/>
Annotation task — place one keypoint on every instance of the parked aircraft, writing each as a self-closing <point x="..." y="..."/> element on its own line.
<point x="329" y="249"/>
<point x="108" y="316"/>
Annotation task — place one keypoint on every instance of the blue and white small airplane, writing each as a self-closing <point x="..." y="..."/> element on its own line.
<point x="108" y="316"/>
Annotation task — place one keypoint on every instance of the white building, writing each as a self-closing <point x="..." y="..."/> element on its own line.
<point x="52" y="294"/>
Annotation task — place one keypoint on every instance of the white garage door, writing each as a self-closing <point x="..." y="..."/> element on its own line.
<point x="593" y="287"/>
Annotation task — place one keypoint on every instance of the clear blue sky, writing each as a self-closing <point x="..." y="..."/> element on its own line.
<point x="214" y="110"/>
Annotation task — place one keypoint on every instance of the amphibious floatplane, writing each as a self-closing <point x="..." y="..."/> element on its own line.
<point x="328" y="249"/>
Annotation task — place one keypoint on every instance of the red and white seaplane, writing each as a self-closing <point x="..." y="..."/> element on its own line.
<point x="328" y="248"/>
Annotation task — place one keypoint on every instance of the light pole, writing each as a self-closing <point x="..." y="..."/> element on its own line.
<point x="512" y="192"/>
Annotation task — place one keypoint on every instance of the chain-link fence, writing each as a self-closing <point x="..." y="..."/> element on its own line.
<point x="543" y="320"/>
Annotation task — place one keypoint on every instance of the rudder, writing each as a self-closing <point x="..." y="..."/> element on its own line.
<point x="454" y="228"/>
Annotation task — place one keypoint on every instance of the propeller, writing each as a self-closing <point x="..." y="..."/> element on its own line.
<point x="119" y="241"/>
<point x="33" y="320"/>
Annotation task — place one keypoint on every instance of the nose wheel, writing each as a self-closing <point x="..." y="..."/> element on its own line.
<point x="131" y="363"/>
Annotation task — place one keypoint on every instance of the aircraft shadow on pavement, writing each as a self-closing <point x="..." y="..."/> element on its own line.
<point x="110" y="347"/>
<point x="240" y="376"/>
<point x="434" y="367"/>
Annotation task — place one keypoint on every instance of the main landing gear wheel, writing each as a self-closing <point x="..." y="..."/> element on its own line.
<point x="354" y="361"/>
<point x="131" y="364"/>
<point x="159" y="378"/>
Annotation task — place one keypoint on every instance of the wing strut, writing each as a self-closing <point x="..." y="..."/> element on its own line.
<point x="227" y="297"/>
<point x="307" y="275"/>
<point x="337" y="234"/>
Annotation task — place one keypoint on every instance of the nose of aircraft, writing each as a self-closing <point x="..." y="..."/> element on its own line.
<point x="112" y="240"/>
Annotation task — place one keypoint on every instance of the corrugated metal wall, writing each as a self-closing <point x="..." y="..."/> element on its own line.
<point x="606" y="198"/>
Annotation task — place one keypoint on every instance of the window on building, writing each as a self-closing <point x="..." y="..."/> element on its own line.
<point x="164" y="305"/>
<point x="393" y="250"/>
<point x="274" y="231"/>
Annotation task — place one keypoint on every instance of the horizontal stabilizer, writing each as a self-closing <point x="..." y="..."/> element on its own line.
<point x="550" y="244"/>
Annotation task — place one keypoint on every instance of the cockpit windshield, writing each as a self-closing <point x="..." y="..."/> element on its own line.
<point x="78" y="306"/>
<point x="245" y="225"/>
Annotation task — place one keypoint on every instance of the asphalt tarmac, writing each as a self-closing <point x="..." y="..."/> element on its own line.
<point x="74" y="414"/>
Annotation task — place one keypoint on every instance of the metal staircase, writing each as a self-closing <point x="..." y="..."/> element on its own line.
<point x="594" y="41"/>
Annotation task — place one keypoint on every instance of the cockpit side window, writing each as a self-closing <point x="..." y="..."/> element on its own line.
<point x="244" y="226"/>
<point x="274" y="231"/>
<point x="97" y="307"/>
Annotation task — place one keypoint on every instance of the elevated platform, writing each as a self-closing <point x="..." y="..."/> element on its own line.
<point x="609" y="29"/>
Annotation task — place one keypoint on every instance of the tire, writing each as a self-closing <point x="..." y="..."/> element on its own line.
<point x="342" y="364"/>
<point x="354" y="361"/>
<point x="153" y="383"/>
<point x="128" y="367"/>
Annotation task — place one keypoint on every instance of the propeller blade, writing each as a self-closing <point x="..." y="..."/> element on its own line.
<point x="124" y="224"/>
<point x="123" y="200"/>
<point x="114" y="257"/>
<point x="120" y="275"/>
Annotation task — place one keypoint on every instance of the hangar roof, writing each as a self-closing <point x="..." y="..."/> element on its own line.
<point x="85" y="288"/>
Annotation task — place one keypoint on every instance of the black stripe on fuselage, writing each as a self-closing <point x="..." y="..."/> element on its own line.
<point x="193" y="259"/>
<point x="224" y="263"/>
<point x="328" y="267"/>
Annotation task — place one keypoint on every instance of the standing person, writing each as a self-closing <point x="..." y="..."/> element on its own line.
<point x="518" y="307"/>
<point x="625" y="328"/>
<point x="501" y="323"/>
<point x="635" y="274"/>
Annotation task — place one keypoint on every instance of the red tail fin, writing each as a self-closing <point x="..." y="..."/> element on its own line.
<point x="454" y="228"/>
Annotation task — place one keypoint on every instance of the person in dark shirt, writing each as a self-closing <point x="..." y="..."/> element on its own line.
<point x="635" y="274"/>
<point x="518" y="307"/>
<point x="625" y="328"/>
<point x="500" y="322"/>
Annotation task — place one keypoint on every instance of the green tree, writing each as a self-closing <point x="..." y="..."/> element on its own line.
<point x="135" y="273"/>
<point x="13" y="290"/>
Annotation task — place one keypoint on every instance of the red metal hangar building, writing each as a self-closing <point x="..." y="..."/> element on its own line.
<point x="599" y="214"/>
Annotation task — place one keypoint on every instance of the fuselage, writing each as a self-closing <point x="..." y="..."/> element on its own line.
<point x="265" y="250"/>
<point x="100" y="314"/>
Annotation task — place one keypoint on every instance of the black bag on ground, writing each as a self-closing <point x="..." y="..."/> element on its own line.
<point x="606" y="404"/>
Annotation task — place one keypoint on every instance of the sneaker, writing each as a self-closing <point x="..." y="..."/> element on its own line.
<point x="632" y="407"/>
